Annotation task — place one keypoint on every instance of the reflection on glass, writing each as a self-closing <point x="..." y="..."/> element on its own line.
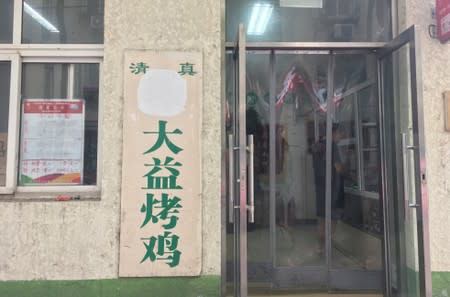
<point x="51" y="81"/>
<point x="352" y="71"/>
<point x="6" y="21"/>
<point x="44" y="80"/>
<point x="299" y="206"/>
<point x="400" y="172"/>
<point x="5" y="76"/>
<point x="62" y="21"/>
<point x="327" y="20"/>
<point x="257" y="116"/>
<point x="369" y="129"/>
<point x="357" y="217"/>
<point x="347" y="146"/>
<point x="86" y="86"/>
<point x="300" y="159"/>
<point x="232" y="256"/>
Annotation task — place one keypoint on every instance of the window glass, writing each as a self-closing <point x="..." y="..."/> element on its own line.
<point x="44" y="80"/>
<point x="59" y="127"/>
<point x="86" y="87"/>
<point x="5" y="76"/>
<point x="310" y="20"/>
<point x="368" y="105"/>
<point x="62" y="21"/>
<point x="6" y="20"/>
<point x="345" y="144"/>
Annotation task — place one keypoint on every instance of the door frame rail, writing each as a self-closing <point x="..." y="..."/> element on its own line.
<point x="381" y="49"/>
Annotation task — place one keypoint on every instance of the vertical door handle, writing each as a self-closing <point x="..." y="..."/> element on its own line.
<point x="405" y="174"/>
<point x="231" y="180"/>
<point x="406" y="185"/>
<point x="251" y="178"/>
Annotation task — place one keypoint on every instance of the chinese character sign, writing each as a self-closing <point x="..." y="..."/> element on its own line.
<point x="161" y="182"/>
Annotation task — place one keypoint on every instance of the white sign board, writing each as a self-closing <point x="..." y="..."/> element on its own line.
<point x="160" y="232"/>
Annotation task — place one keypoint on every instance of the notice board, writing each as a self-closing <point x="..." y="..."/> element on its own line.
<point x="52" y="142"/>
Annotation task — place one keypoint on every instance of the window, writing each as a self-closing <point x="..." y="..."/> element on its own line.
<point x="5" y="74"/>
<point x="51" y="57"/>
<point x="56" y="21"/>
<point x="6" y="21"/>
<point x="310" y="21"/>
<point x="66" y="151"/>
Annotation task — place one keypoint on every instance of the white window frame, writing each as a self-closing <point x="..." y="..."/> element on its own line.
<point x="12" y="154"/>
<point x="18" y="53"/>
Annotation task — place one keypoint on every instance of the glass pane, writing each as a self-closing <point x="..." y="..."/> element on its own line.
<point x="347" y="144"/>
<point x="352" y="72"/>
<point x="307" y="20"/>
<point x="5" y="78"/>
<point x="356" y="215"/>
<point x="44" y="80"/>
<point x="257" y="116"/>
<point x="6" y="20"/>
<point x="301" y="84"/>
<point x="369" y="129"/>
<point x="400" y="170"/>
<point x="62" y="21"/>
<point x="232" y="256"/>
<point x="86" y="87"/>
<point x="59" y="134"/>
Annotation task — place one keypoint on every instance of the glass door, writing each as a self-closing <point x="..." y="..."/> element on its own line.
<point x="303" y="196"/>
<point x="239" y="171"/>
<point x="326" y="229"/>
<point x="404" y="176"/>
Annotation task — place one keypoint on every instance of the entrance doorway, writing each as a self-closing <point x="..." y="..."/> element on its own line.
<point x="314" y="167"/>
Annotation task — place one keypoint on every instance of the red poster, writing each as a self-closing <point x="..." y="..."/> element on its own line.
<point x="443" y="19"/>
<point x="52" y="142"/>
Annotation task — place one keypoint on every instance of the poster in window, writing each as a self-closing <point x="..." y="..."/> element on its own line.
<point x="52" y="142"/>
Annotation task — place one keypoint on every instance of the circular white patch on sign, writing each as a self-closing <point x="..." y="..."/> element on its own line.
<point x="162" y="92"/>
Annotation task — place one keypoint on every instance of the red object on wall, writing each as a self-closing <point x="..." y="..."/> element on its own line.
<point x="443" y="19"/>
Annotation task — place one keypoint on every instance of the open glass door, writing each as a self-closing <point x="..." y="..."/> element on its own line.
<point x="403" y="174"/>
<point x="240" y="173"/>
<point x="293" y="119"/>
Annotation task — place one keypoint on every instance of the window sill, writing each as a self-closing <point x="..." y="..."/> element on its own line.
<point x="63" y="195"/>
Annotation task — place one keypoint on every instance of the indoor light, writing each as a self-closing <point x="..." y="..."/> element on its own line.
<point x="259" y="19"/>
<point x="302" y="3"/>
<point x="39" y="18"/>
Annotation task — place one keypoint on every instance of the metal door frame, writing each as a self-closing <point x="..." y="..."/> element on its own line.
<point x="410" y="36"/>
<point x="381" y="48"/>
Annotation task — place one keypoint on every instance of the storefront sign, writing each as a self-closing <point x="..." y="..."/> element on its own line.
<point x="161" y="182"/>
<point x="443" y="19"/>
<point x="52" y="142"/>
